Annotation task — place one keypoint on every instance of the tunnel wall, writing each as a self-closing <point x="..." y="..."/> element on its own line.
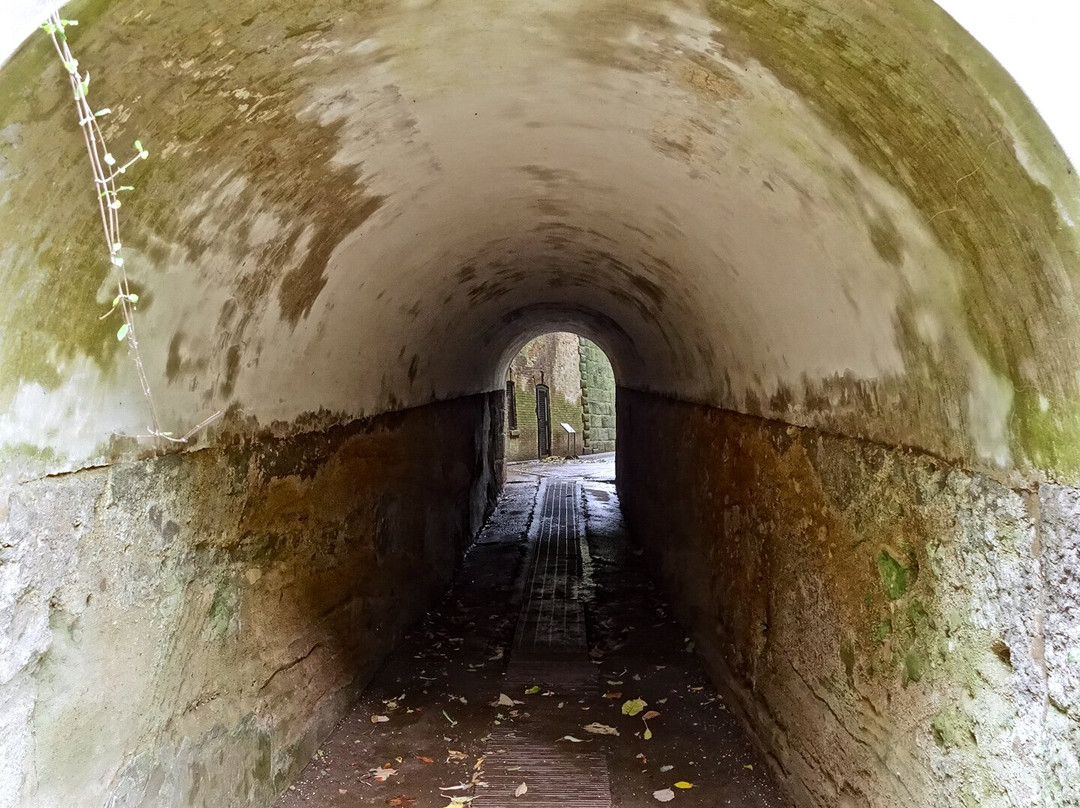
<point x="182" y="631"/>
<point x="894" y="630"/>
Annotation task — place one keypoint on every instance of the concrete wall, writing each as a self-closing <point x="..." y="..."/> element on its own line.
<point x="182" y="631"/>
<point x="597" y="399"/>
<point x="895" y="630"/>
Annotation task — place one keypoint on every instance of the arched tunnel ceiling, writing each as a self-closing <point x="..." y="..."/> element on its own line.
<point x="834" y="214"/>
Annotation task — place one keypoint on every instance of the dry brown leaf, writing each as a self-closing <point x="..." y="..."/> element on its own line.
<point x="597" y="728"/>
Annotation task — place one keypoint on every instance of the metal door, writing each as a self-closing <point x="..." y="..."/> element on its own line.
<point x="543" y="420"/>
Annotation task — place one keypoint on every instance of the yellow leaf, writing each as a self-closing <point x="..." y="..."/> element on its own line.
<point x="684" y="784"/>
<point x="633" y="707"/>
<point x="648" y="734"/>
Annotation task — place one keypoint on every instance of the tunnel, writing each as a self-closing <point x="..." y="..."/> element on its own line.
<point x="829" y="247"/>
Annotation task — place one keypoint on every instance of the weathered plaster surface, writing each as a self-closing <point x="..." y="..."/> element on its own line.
<point x="182" y="631"/>
<point x="840" y="215"/>
<point x="896" y="631"/>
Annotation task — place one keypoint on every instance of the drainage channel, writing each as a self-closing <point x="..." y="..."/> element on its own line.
<point x="550" y="652"/>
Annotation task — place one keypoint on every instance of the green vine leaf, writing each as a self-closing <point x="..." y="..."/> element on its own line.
<point x="122" y="332"/>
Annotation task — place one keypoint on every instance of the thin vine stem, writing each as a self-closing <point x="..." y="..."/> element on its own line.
<point x="106" y="172"/>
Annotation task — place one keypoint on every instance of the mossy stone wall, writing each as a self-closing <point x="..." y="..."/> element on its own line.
<point x="895" y="631"/>
<point x="597" y="399"/>
<point x="183" y="631"/>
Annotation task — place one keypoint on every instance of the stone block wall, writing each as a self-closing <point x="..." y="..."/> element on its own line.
<point x="182" y="632"/>
<point x="895" y="631"/>
<point x="597" y="398"/>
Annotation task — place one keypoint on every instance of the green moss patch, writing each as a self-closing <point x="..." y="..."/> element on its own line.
<point x="893" y="574"/>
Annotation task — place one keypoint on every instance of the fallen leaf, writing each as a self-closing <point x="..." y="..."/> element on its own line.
<point x="684" y="784"/>
<point x="664" y="795"/>
<point x="613" y="695"/>
<point x="423" y="759"/>
<point x="571" y="738"/>
<point x="633" y="706"/>
<point x="749" y="766"/>
<point x="453" y="754"/>
<point x="534" y="689"/>
<point x="600" y="729"/>
<point x="666" y="768"/>
<point x="649" y="716"/>
<point x="379" y="719"/>
<point x="648" y="734"/>
<point x="520" y="790"/>
<point x="401" y="802"/>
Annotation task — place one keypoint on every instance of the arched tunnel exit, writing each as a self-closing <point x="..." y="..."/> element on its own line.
<point x="830" y="250"/>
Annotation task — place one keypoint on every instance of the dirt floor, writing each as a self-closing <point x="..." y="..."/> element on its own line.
<point x="421" y="731"/>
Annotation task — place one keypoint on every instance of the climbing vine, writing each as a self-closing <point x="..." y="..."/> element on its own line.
<point x="108" y="174"/>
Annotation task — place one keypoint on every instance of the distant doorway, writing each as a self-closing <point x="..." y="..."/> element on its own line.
<point x="562" y="378"/>
<point x="543" y="421"/>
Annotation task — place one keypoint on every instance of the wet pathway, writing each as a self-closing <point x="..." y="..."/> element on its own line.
<point x="519" y="681"/>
